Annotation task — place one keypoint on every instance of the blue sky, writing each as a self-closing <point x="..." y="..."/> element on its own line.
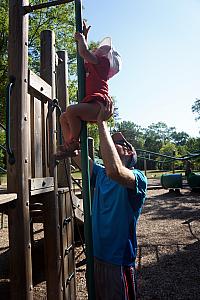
<point x="159" y="41"/>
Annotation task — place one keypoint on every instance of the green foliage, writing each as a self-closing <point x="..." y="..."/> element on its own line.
<point x="2" y="152"/>
<point x="196" y="108"/>
<point x="170" y="150"/>
<point x="132" y="132"/>
<point x="179" y="138"/>
<point x="193" y="146"/>
<point x="61" y="20"/>
<point x="3" y="56"/>
<point x="160" y="138"/>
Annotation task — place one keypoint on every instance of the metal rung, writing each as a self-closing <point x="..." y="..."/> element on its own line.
<point x="67" y="251"/>
<point x="69" y="278"/>
<point x="31" y="8"/>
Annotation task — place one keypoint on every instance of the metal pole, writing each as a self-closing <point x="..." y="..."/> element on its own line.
<point x="85" y="166"/>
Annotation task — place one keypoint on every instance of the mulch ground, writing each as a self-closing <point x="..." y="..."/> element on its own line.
<point x="168" y="249"/>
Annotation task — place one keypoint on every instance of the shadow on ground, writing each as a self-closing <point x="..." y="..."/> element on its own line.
<point x="38" y="269"/>
<point x="175" y="276"/>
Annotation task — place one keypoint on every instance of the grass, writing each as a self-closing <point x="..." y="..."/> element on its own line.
<point x="156" y="174"/>
<point x="3" y="179"/>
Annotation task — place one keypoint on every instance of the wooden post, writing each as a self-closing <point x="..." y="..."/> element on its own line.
<point x="145" y="164"/>
<point x="19" y="221"/>
<point x="63" y="100"/>
<point x="67" y="244"/>
<point x="51" y="213"/>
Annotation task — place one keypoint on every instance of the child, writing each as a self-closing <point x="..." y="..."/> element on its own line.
<point x="100" y="65"/>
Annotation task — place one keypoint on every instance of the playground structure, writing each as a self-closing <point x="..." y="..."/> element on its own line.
<point x="175" y="180"/>
<point x="33" y="176"/>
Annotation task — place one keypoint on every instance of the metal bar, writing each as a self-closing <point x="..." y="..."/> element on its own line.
<point x="31" y="8"/>
<point x="11" y="157"/>
<point x="85" y="165"/>
<point x="2" y="147"/>
<point x="3" y="170"/>
<point x="168" y="156"/>
<point x="68" y="250"/>
<point x="69" y="278"/>
<point x="77" y="183"/>
<point x="2" y="126"/>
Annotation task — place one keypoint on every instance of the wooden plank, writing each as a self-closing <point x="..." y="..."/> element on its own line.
<point x="67" y="244"/>
<point x="18" y="217"/>
<point x="78" y="206"/>
<point x="36" y="138"/>
<point x="69" y="251"/>
<point x="45" y="140"/>
<point x="41" y="183"/>
<point x="42" y="191"/>
<point x="5" y="198"/>
<point x="32" y="143"/>
<point x="29" y="145"/>
<point x="63" y="100"/>
<point x="63" y="226"/>
<point x="39" y="86"/>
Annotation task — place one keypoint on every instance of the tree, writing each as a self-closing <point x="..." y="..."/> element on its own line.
<point x="179" y="138"/>
<point x="170" y="150"/>
<point x="132" y="132"/>
<point x="196" y="108"/>
<point x="61" y="20"/>
<point x="161" y="131"/>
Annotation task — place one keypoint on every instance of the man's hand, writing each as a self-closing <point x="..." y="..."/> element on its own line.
<point x="105" y="112"/>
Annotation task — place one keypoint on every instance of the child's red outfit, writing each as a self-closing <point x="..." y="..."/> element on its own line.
<point x="97" y="81"/>
<point x="97" y="76"/>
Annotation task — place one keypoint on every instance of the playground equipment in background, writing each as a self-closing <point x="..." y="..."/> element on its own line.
<point x="171" y="181"/>
<point x="175" y="181"/>
<point x="193" y="180"/>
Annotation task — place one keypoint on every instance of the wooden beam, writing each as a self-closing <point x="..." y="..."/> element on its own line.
<point x="78" y="207"/>
<point x="31" y="8"/>
<point x="63" y="100"/>
<point x="5" y="198"/>
<point x="36" y="146"/>
<point x="40" y="87"/>
<point x="41" y="185"/>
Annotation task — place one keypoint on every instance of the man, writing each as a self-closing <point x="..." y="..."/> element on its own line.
<point x="119" y="193"/>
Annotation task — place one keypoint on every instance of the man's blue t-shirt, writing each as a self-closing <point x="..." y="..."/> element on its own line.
<point x="115" y="211"/>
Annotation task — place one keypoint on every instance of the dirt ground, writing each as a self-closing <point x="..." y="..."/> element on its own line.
<point x="168" y="249"/>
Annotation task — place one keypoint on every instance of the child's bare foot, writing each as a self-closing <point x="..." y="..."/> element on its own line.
<point x="72" y="145"/>
<point x="63" y="153"/>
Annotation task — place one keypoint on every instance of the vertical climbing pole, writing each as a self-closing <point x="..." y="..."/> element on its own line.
<point x="19" y="221"/>
<point x="85" y="165"/>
